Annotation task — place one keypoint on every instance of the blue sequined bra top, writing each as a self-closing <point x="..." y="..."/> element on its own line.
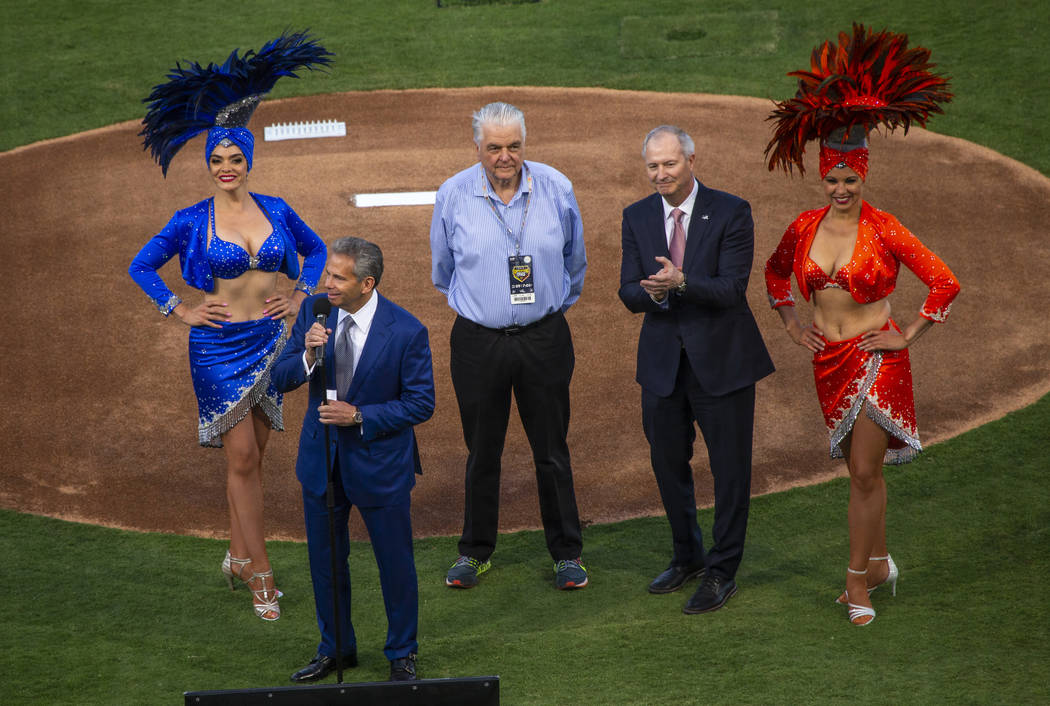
<point x="229" y="260"/>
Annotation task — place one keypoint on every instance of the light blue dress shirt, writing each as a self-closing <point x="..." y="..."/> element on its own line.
<point x="473" y="233"/>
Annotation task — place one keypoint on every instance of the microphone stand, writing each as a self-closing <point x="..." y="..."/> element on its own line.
<point x="330" y="497"/>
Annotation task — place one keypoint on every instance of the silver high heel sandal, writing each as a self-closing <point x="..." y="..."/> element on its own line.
<point x="891" y="578"/>
<point x="227" y="569"/>
<point x="857" y="612"/>
<point x="264" y="600"/>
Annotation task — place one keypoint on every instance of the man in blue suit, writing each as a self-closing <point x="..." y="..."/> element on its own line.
<point x="687" y="253"/>
<point x="378" y="383"/>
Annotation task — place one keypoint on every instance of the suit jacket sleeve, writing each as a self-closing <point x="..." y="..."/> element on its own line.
<point x="728" y="287"/>
<point x="414" y="402"/>
<point x="288" y="373"/>
<point x="632" y="269"/>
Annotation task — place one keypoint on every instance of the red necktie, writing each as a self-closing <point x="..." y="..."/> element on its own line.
<point x="677" y="238"/>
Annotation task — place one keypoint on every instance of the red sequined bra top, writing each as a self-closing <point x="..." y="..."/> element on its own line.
<point x="818" y="279"/>
<point x="871" y="274"/>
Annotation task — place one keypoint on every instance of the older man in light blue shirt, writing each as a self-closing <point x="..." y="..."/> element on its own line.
<point x="507" y="246"/>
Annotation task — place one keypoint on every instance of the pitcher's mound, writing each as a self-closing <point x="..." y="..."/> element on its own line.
<point x="99" y="414"/>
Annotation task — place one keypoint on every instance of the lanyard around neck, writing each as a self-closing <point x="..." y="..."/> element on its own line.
<point x="524" y="212"/>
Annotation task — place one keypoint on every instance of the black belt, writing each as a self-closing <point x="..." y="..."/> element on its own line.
<point x="519" y="328"/>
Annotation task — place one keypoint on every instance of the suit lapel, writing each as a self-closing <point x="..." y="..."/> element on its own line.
<point x="378" y="335"/>
<point x="697" y="225"/>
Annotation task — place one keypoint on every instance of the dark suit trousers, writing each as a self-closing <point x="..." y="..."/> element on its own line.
<point x="536" y="364"/>
<point x="390" y="531"/>
<point x="726" y="423"/>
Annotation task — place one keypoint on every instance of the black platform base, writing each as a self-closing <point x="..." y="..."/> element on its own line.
<point x="466" y="691"/>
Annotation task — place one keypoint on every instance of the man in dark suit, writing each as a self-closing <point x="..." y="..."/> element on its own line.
<point x="687" y="254"/>
<point x="378" y="384"/>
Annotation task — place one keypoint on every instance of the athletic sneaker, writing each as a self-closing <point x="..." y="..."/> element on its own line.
<point x="569" y="574"/>
<point x="465" y="571"/>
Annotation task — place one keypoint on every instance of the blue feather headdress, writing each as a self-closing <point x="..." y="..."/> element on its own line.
<point x="198" y="98"/>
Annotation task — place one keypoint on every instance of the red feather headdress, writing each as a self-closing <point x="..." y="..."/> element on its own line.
<point x="866" y="80"/>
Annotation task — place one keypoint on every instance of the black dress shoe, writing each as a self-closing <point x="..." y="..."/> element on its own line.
<point x="675" y="577"/>
<point x="711" y="594"/>
<point x="321" y="666"/>
<point x="403" y="668"/>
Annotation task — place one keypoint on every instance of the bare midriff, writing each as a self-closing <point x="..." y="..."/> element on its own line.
<point x="245" y="295"/>
<point x="841" y="317"/>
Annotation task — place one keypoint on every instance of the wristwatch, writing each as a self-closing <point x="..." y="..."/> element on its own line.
<point x="680" y="289"/>
<point x="357" y="417"/>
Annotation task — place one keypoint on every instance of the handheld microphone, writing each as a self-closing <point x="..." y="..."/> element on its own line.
<point x="322" y="308"/>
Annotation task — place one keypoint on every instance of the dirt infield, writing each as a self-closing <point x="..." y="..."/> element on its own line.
<point x="99" y="414"/>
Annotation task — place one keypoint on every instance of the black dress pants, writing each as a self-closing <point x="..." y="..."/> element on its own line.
<point x="727" y="423"/>
<point x="535" y="363"/>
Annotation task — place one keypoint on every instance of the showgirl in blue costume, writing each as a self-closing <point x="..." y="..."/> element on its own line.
<point x="231" y="247"/>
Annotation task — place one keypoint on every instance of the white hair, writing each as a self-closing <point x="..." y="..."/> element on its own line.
<point x="686" y="142"/>
<point x="497" y="114"/>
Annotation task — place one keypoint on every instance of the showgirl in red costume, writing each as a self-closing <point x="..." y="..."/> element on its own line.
<point x="845" y="258"/>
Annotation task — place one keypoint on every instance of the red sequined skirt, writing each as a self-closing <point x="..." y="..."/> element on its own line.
<point x="849" y="379"/>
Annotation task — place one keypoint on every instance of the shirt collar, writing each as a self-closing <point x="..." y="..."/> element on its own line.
<point x="686" y="206"/>
<point x="363" y="316"/>
<point x="483" y="188"/>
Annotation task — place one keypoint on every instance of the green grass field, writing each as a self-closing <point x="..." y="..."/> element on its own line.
<point x="97" y="616"/>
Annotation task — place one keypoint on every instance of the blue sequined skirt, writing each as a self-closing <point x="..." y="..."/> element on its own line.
<point x="230" y="368"/>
